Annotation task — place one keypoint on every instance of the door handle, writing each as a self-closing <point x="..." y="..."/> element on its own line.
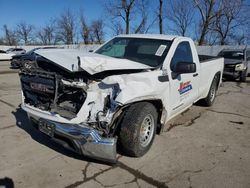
<point x="196" y="74"/>
<point x="163" y="78"/>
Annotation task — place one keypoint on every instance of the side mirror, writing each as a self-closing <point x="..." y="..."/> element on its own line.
<point x="91" y="50"/>
<point x="183" y="68"/>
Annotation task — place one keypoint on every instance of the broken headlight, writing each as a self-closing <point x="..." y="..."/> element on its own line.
<point x="239" y="67"/>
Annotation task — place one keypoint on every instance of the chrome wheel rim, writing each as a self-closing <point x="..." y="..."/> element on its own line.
<point x="212" y="93"/>
<point x="147" y="130"/>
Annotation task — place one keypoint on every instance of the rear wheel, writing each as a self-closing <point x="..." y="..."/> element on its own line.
<point x="243" y="76"/>
<point x="138" y="129"/>
<point x="209" y="100"/>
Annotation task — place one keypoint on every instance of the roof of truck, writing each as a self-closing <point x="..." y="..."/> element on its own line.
<point x="151" y="36"/>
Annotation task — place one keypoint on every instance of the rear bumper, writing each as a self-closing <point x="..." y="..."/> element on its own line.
<point x="234" y="74"/>
<point x="81" y="139"/>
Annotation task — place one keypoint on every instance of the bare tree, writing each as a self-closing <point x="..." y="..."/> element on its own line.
<point x="208" y="10"/>
<point x="41" y="35"/>
<point x="9" y="36"/>
<point x="240" y="35"/>
<point x="160" y="16"/>
<point x="84" y="30"/>
<point x="121" y="9"/>
<point x="247" y="33"/>
<point x="25" y="32"/>
<point x="66" y="27"/>
<point x="47" y="34"/>
<point x="97" y="28"/>
<point x="239" y="39"/>
<point x="181" y="15"/>
<point x="117" y="28"/>
<point x="229" y="20"/>
<point x="142" y="9"/>
<point x="1" y="41"/>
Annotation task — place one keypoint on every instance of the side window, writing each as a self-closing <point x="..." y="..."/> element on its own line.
<point x="182" y="53"/>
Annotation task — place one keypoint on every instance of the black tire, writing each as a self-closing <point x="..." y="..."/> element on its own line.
<point x="243" y="76"/>
<point x="133" y="138"/>
<point x="209" y="100"/>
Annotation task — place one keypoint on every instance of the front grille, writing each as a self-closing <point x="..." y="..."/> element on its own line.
<point x="44" y="90"/>
<point x="39" y="89"/>
<point x="229" y="68"/>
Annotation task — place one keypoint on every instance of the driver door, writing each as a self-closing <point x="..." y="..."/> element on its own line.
<point x="183" y="88"/>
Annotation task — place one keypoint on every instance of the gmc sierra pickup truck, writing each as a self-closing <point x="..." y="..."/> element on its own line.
<point x="121" y="94"/>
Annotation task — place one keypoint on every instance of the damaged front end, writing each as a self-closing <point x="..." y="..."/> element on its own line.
<point x="74" y="109"/>
<point x="79" y="99"/>
<point x="50" y="92"/>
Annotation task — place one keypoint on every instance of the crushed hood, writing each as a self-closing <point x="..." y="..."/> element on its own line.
<point x="75" y="60"/>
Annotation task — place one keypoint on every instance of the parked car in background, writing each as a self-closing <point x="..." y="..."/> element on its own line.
<point x="5" y="56"/>
<point x="237" y="62"/>
<point x="16" y="51"/>
<point x="128" y="89"/>
<point x="18" y="60"/>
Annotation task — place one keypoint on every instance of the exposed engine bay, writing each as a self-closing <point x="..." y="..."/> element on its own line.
<point x="50" y="92"/>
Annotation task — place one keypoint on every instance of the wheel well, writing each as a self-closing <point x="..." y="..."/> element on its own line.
<point x="218" y="81"/>
<point x="158" y="106"/>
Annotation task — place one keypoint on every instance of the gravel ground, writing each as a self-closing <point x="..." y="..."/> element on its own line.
<point x="202" y="147"/>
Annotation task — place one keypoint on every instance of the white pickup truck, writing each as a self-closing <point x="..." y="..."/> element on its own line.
<point x="124" y="92"/>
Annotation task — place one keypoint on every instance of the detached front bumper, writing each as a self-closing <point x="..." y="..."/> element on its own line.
<point x="81" y="139"/>
<point x="233" y="74"/>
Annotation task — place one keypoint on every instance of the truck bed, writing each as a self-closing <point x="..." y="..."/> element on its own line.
<point x="205" y="58"/>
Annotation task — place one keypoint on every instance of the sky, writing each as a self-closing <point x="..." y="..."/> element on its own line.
<point x="39" y="12"/>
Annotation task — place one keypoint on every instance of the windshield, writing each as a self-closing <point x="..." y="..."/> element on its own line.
<point x="239" y="55"/>
<point x="151" y="52"/>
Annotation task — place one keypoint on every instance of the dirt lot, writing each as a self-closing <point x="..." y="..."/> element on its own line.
<point x="203" y="147"/>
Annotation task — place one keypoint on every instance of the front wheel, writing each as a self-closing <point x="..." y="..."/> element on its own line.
<point x="138" y="129"/>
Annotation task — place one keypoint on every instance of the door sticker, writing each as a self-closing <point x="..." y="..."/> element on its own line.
<point x="185" y="87"/>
